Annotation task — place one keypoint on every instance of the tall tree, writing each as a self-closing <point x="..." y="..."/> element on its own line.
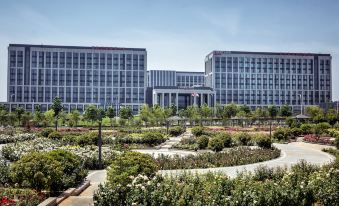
<point x="331" y="116"/>
<point x="145" y="114"/>
<point x="57" y="108"/>
<point x="205" y="112"/>
<point x="74" y="118"/>
<point x="91" y="113"/>
<point x="38" y="116"/>
<point x="285" y="111"/>
<point x="230" y="110"/>
<point x="126" y="113"/>
<point x="18" y="114"/>
<point x="192" y="113"/>
<point x="272" y="111"/>
<point x="110" y="113"/>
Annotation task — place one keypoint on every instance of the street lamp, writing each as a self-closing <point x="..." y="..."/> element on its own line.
<point x="301" y="104"/>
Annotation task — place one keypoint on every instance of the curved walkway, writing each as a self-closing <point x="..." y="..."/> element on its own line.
<point x="291" y="154"/>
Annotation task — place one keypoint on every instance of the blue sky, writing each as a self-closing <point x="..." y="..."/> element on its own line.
<point x="176" y="34"/>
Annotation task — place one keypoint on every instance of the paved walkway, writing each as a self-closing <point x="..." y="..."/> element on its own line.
<point x="86" y="197"/>
<point x="291" y="154"/>
<point x="165" y="148"/>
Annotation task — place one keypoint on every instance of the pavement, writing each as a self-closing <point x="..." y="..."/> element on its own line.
<point x="86" y="197"/>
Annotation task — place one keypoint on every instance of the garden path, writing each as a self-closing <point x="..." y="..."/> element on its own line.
<point x="165" y="148"/>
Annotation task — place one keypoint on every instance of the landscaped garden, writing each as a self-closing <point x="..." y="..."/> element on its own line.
<point x="45" y="153"/>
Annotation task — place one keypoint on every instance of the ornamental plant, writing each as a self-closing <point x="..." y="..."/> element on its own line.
<point x="263" y="141"/>
<point x="226" y="137"/>
<point x="243" y="138"/>
<point x="176" y="131"/>
<point x="202" y="141"/>
<point x="198" y="131"/>
<point x="55" y="135"/>
<point x="216" y="144"/>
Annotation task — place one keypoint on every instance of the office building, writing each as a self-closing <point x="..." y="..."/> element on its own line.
<point x="103" y="76"/>
<point x="267" y="78"/>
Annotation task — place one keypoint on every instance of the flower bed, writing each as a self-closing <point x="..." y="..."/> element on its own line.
<point x="231" y="157"/>
<point x="318" y="140"/>
<point x="16" y="138"/>
<point x="88" y="154"/>
<point x="13" y="196"/>
<point x="303" y="185"/>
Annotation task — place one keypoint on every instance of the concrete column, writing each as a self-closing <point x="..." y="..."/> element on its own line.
<point x="169" y="99"/>
<point x="163" y="100"/>
<point x="201" y="99"/>
<point x="209" y="100"/>
<point x="177" y="101"/>
<point x="195" y="100"/>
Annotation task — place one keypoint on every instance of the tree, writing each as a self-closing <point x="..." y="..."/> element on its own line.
<point x="245" y="109"/>
<point x="3" y="117"/>
<point x="219" y="111"/>
<point x="93" y="113"/>
<point x="273" y="111"/>
<point x="174" y="109"/>
<point x="192" y="113"/>
<point x="285" y="111"/>
<point x="110" y="113"/>
<point x="158" y="114"/>
<point x="229" y="111"/>
<point x="18" y="114"/>
<point x="145" y="114"/>
<point x="38" y="116"/>
<point x="331" y="116"/>
<point x="26" y="120"/>
<point x="74" y="117"/>
<point x="48" y="117"/>
<point x="204" y="112"/>
<point x="126" y="113"/>
<point x="57" y="108"/>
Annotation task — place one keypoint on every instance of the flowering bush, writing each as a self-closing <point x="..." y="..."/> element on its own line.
<point x="88" y="154"/>
<point x="25" y="197"/>
<point x="231" y="157"/>
<point x="16" y="138"/>
<point x="304" y="184"/>
<point x="318" y="140"/>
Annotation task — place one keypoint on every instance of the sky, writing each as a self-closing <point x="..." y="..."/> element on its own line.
<point x="177" y="34"/>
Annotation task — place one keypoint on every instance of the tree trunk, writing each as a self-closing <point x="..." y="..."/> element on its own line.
<point x="56" y="124"/>
<point x="100" y="145"/>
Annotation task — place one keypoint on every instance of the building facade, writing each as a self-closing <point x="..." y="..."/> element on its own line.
<point x="175" y="78"/>
<point x="265" y="78"/>
<point x="78" y="75"/>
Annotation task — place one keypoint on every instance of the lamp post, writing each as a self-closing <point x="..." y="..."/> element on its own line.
<point x="301" y="104"/>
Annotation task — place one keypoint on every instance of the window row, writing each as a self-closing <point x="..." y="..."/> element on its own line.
<point x="77" y="94"/>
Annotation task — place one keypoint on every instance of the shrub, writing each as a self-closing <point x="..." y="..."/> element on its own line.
<point x="153" y="138"/>
<point x="262" y="173"/>
<point x="176" y="131"/>
<point x="263" y="141"/>
<point x="282" y="134"/>
<point x="53" y="171"/>
<point x="321" y="128"/>
<point x="198" y="131"/>
<point x="226" y="137"/>
<point x="306" y="128"/>
<point x="244" y="138"/>
<point x="73" y="168"/>
<point x="296" y="132"/>
<point x="4" y="172"/>
<point x="336" y="142"/>
<point x="202" y="141"/>
<point x="129" y="165"/>
<point x="216" y="144"/>
<point x="55" y="135"/>
<point x="38" y="171"/>
<point x="90" y="138"/>
<point x="45" y="132"/>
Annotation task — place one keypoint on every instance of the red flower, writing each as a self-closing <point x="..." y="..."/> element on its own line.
<point x="6" y="201"/>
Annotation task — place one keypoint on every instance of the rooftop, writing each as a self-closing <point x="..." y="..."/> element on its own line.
<point x="76" y="47"/>
<point x="268" y="53"/>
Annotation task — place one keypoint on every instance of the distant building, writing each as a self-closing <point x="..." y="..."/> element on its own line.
<point x="175" y="78"/>
<point x="267" y="78"/>
<point x="78" y="75"/>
